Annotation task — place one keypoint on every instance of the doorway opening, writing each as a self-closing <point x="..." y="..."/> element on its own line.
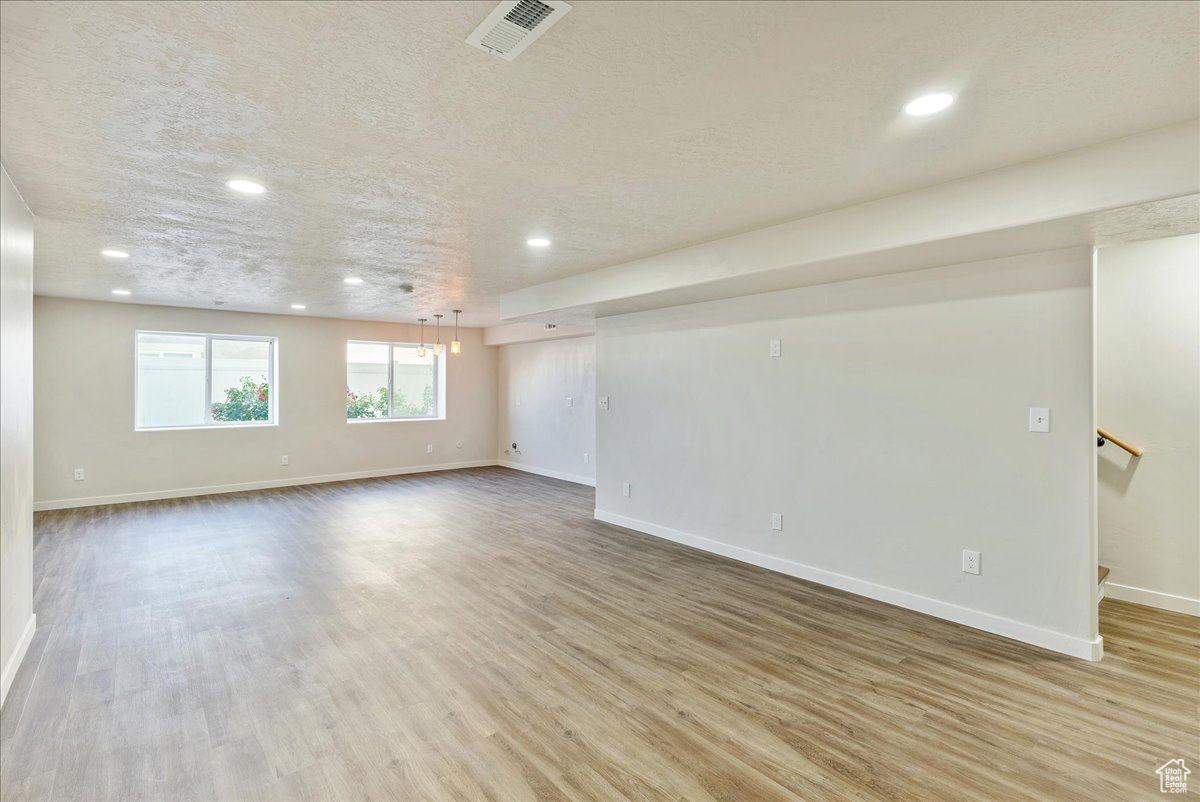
<point x="1147" y="345"/>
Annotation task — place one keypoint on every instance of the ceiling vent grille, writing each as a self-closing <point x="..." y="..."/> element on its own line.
<point x="515" y="24"/>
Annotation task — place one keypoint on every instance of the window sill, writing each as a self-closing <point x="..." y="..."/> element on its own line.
<point x="394" y="420"/>
<point x="204" y="427"/>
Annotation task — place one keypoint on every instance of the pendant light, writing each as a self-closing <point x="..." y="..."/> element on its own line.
<point x="421" y="347"/>
<point x="456" y="344"/>
<point x="437" y="346"/>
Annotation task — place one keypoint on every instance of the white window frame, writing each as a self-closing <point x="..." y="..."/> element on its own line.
<point x="439" y="384"/>
<point x="272" y="381"/>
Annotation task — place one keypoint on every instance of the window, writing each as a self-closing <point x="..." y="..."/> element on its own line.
<point x="390" y="381"/>
<point x="189" y="380"/>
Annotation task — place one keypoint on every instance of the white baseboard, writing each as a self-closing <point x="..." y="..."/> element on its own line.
<point x="208" y="490"/>
<point x="998" y="625"/>
<point x="14" y="662"/>
<point x="1153" y="598"/>
<point x="566" y="477"/>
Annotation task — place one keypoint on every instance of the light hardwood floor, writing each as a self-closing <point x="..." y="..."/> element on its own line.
<point x="476" y="635"/>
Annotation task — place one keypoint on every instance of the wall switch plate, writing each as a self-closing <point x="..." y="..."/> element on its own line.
<point x="79" y="475"/>
<point x="570" y="401"/>
<point x="1039" y="419"/>
<point x="776" y="348"/>
<point x="586" y="458"/>
<point x="970" y="562"/>
<point x="625" y="489"/>
<point x="603" y="404"/>
<point x="429" y="448"/>
<point x="777" y="521"/>
<point x="283" y="460"/>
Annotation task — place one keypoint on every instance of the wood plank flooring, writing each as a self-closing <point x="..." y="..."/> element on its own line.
<point x="476" y="635"/>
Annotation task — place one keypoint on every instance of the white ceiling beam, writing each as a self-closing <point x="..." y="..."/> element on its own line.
<point x="1038" y="205"/>
<point x="528" y="332"/>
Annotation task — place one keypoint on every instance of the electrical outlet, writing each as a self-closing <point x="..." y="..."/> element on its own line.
<point x="283" y="460"/>
<point x="970" y="562"/>
<point x="570" y="401"/>
<point x="603" y="403"/>
<point x="776" y="348"/>
<point x="586" y="458"/>
<point x="1039" y="419"/>
<point x="777" y="521"/>
<point x="79" y="475"/>
<point x="625" y="490"/>
<point x="429" y="448"/>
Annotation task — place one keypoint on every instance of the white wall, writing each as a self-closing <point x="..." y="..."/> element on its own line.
<point x="16" y="431"/>
<point x="536" y="379"/>
<point x="84" y="385"/>
<point x="891" y="435"/>
<point x="1148" y="393"/>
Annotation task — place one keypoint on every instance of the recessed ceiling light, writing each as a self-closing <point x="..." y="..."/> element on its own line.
<point x="929" y="104"/>
<point x="121" y="292"/>
<point x="299" y="306"/>
<point x="247" y="187"/>
<point x="353" y="280"/>
<point x="113" y="253"/>
<point x="538" y="242"/>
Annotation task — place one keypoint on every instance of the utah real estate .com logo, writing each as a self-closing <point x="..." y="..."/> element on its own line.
<point x="1172" y="776"/>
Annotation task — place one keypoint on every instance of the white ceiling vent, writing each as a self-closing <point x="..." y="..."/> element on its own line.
<point x="515" y="24"/>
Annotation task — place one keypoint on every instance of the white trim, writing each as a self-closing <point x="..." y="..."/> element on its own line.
<point x="1153" y="598"/>
<point x="1093" y="509"/>
<point x="183" y="492"/>
<point x="394" y="420"/>
<point x="566" y="477"/>
<point x="207" y="427"/>
<point x="998" y="625"/>
<point x="14" y="662"/>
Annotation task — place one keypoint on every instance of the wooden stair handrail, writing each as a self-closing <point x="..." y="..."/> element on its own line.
<point x="1134" y="450"/>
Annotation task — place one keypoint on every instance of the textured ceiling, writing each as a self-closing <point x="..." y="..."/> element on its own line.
<point x="395" y="152"/>
<point x="1171" y="217"/>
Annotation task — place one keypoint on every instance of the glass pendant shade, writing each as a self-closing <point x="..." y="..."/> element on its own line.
<point x="456" y="344"/>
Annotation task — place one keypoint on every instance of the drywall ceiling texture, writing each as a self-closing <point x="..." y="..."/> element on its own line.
<point x="1148" y="393"/>
<point x="91" y="344"/>
<point x="394" y="151"/>
<point x="16" y="431"/>
<point x="891" y="434"/>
